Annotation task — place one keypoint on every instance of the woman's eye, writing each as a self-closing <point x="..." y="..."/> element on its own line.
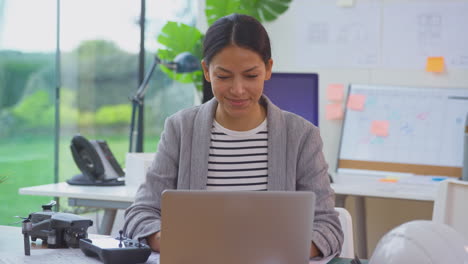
<point x="222" y="77"/>
<point x="252" y="76"/>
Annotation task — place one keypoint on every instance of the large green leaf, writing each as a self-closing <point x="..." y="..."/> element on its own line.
<point x="178" y="38"/>
<point x="263" y="10"/>
<point x="215" y="9"/>
<point x="266" y="10"/>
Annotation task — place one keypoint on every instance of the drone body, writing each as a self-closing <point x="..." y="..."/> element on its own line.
<point x="58" y="230"/>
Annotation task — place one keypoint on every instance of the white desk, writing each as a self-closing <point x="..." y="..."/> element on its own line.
<point x="419" y="188"/>
<point x="110" y="198"/>
<point x="120" y="197"/>
<point x="12" y="252"/>
<point x="416" y="188"/>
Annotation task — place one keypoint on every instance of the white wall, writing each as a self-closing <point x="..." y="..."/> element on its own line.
<point x="285" y="57"/>
<point x="383" y="214"/>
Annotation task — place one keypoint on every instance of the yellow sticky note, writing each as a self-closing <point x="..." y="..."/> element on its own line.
<point x="334" y="112"/>
<point x="435" y="64"/>
<point x="356" y="102"/>
<point x="380" y="128"/>
<point x="335" y="92"/>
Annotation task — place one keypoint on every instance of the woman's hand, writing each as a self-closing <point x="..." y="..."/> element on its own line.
<point x="154" y="241"/>
<point x="314" y="251"/>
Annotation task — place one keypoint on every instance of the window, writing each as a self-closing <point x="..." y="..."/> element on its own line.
<point x="27" y="105"/>
<point x="99" y="55"/>
<point x="99" y="43"/>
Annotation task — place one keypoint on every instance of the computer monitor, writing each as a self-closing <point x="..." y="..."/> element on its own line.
<point x="296" y="93"/>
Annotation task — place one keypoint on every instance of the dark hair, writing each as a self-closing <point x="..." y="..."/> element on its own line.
<point x="235" y="29"/>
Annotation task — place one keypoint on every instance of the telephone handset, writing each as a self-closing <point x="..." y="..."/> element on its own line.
<point x="96" y="162"/>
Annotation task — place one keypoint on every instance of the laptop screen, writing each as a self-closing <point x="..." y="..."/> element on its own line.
<point x="227" y="227"/>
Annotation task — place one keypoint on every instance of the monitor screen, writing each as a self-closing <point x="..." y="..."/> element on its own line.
<point x="296" y="93"/>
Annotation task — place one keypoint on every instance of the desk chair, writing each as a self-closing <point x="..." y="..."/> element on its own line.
<point x="346" y="221"/>
<point x="450" y="205"/>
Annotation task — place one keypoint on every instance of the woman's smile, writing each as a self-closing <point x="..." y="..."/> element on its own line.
<point x="238" y="103"/>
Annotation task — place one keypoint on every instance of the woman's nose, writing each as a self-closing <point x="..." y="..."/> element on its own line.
<point x="237" y="87"/>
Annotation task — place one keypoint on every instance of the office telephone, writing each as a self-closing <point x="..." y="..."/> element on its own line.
<point x="96" y="162"/>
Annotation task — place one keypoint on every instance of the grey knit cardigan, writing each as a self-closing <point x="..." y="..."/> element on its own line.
<point x="295" y="162"/>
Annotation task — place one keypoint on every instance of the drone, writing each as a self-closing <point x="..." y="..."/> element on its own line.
<point x="57" y="230"/>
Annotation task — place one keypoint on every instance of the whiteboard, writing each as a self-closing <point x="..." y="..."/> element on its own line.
<point x="425" y="130"/>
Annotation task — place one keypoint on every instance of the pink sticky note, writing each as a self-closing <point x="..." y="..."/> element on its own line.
<point x="380" y="128"/>
<point x="334" y="112"/>
<point x="335" y="92"/>
<point x="356" y="102"/>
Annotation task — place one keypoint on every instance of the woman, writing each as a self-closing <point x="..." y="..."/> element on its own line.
<point x="238" y="140"/>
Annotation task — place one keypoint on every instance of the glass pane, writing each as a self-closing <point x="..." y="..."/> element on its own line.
<point x="99" y="49"/>
<point x="165" y="96"/>
<point x="27" y="105"/>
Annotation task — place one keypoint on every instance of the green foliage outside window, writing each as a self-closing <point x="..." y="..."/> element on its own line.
<point x="35" y="111"/>
<point x="110" y="115"/>
<point x="15" y="70"/>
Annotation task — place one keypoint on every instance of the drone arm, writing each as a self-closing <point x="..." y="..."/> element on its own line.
<point x="27" y="245"/>
<point x="41" y="229"/>
<point x="26" y="228"/>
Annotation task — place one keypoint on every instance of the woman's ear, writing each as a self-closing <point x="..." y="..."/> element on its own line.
<point x="206" y="72"/>
<point x="268" y="69"/>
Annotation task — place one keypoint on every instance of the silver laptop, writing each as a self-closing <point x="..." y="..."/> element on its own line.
<point x="213" y="227"/>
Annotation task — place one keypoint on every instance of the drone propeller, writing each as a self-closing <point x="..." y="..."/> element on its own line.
<point x="49" y="205"/>
<point x="21" y="217"/>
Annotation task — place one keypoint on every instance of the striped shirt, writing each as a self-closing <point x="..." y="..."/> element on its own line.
<point x="238" y="160"/>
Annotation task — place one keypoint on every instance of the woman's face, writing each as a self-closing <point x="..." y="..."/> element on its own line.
<point x="237" y="77"/>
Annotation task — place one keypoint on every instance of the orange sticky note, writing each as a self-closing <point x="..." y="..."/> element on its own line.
<point x="388" y="180"/>
<point x="334" y="112"/>
<point x="380" y="128"/>
<point x="335" y="92"/>
<point x="435" y="64"/>
<point x="356" y="102"/>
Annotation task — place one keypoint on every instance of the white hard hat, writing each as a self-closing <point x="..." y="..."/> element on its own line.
<point x="421" y="241"/>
